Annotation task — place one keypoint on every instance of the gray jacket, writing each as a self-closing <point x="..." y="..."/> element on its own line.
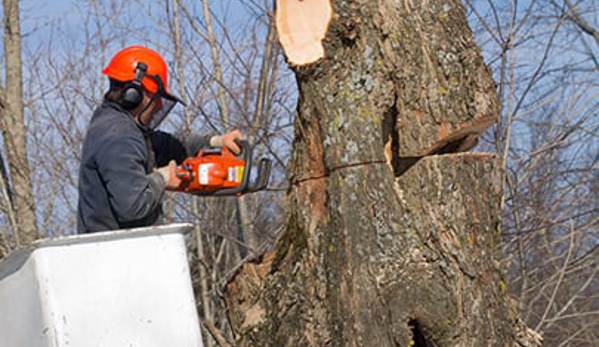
<point x="117" y="185"/>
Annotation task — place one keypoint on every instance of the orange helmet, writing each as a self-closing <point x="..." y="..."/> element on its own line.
<point x="123" y="66"/>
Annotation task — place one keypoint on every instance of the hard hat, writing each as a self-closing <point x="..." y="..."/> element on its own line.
<point x="122" y="67"/>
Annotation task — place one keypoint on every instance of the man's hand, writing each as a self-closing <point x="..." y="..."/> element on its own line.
<point x="170" y="175"/>
<point x="227" y="140"/>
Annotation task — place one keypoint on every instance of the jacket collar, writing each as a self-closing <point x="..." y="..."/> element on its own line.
<point x="120" y="109"/>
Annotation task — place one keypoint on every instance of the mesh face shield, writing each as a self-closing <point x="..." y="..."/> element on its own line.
<point x="166" y="102"/>
<point x="159" y="115"/>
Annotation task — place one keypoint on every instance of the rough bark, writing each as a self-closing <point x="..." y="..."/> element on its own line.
<point x="13" y="129"/>
<point x="445" y="91"/>
<point x="377" y="252"/>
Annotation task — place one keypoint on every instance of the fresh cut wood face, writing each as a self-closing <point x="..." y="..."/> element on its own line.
<point x="301" y="26"/>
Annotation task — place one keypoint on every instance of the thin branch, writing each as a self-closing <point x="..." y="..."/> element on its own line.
<point x="217" y="334"/>
<point x="218" y="71"/>
<point x="585" y="26"/>
<point x="562" y="273"/>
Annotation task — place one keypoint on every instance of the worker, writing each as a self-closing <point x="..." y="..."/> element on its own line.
<point x="126" y="164"/>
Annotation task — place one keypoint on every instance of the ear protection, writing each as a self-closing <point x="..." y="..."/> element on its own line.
<point x="132" y="94"/>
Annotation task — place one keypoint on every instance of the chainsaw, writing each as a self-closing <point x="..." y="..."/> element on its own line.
<point x="216" y="171"/>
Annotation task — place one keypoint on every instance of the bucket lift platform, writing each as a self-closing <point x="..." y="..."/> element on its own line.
<point x="116" y="288"/>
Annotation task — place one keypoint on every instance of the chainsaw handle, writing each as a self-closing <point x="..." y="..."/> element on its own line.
<point x="246" y="153"/>
<point x="263" y="176"/>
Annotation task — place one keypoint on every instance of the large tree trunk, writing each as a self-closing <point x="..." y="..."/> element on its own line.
<point x="391" y="237"/>
<point x="13" y="129"/>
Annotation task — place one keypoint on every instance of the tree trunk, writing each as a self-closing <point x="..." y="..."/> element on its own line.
<point x="386" y="244"/>
<point x="13" y="129"/>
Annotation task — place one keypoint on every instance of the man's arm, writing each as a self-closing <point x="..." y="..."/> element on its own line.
<point x="177" y="147"/>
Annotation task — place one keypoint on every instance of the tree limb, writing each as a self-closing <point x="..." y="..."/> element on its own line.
<point x="585" y="26"/>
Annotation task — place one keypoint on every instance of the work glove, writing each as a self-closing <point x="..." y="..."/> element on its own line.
<point x="227" y="140"/>
<point x="170" y="175"/>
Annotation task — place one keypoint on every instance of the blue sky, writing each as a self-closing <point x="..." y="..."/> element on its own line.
<point x="44" y="15"/>
<point x="37" y="11"/>
<point x="39" y="15"/>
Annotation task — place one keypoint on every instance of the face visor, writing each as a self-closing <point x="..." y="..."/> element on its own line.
<point x="164" y="101"/>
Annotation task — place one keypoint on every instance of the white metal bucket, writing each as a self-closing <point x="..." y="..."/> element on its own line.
<point x="117" y="288"/>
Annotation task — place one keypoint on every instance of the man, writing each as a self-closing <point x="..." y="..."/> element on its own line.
<point x="126" y="164"/>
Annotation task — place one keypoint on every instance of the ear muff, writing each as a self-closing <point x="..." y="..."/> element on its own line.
<point x="132" y="94"/>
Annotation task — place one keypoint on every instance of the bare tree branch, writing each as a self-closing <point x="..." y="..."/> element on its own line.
<point x="577" y="19"/>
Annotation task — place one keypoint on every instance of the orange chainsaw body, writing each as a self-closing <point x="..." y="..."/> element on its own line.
<point x="217" y="171"/>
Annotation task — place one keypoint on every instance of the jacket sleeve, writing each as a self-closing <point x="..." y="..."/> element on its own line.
<point x="176" y="147"/>
<point x="133" y="194"/>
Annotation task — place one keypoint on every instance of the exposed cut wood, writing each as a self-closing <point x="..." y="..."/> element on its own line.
<point x="463" y="138"/>
<point x="458" y="135"/>
<point x="301" y="27"/>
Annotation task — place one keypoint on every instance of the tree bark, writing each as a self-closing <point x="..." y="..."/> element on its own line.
<point x="13" y="129"/>
<point x="386" y="244"/>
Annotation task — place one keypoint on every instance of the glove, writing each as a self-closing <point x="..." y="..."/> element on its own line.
<point x="170" y="175"/>
<point x="227" y="140"/>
